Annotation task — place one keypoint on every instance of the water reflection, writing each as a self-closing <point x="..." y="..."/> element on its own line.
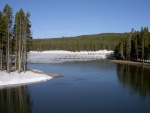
<point x="15" y="100"/>
<point x="136" y="78"/>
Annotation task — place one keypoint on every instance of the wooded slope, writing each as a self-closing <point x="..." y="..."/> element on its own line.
<point x="85" y="42"/>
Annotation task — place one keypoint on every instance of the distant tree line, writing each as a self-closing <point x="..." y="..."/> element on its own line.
<point x="15" y="39"/>
<point x="134" y="45"/>
<point x="80" y="43"/>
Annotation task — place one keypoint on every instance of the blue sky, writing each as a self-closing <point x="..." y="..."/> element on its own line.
<point x="57" y="18"/>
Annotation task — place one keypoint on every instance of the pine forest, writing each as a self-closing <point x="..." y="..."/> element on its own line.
<point x="79" y="43"/>
<point x="134" y="46"/>
<point x="15" y="39"/>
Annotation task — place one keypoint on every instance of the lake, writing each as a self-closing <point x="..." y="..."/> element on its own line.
<point x="86" y="87"/>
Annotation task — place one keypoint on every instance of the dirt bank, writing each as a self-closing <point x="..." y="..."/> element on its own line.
<point x="49" y="74"/>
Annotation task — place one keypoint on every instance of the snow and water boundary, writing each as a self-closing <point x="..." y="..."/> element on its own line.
<point x="58" y="56"/>
<point x="14" y="79"/>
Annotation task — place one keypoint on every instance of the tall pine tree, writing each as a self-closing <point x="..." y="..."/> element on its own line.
<point x="22" y="37"/>
<point x="7" y="13"/>
<point x="14" y="42"/>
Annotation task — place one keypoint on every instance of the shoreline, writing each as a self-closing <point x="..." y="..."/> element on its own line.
<point x="31" y="76"/>
<point x="53" y="75"/>
<point x="130" y="62"/>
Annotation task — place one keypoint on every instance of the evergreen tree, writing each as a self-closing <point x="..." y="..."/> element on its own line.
<point x="7" y="13"/>
<point x="14" y="42"/>
<point x="22" y="37"/>
<point x="2" y="34"/>
<point x="26" y="39"/>
<point x="145" y="42"/>
<point x="19" y="37"/>
<point x="135" y="46"/>
<point x="120" y="50"/>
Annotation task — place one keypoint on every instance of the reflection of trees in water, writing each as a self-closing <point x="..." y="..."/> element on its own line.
<point x="15" y="100"/>
<point x="137" y="78"/>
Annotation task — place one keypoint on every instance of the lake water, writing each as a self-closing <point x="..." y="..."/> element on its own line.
<point x="86" y="87"/>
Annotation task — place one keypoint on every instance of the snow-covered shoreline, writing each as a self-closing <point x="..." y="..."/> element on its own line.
<point x="56" y="56"/>
<point x="14" y="79"/>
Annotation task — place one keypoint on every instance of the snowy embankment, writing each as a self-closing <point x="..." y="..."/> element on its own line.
<point x="62" y="56"/>
<point x="13" y="78"/>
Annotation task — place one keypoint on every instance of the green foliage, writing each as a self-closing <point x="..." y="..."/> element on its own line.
<point x="14" y="42"/>
<point x="80" y="43"/>
<point x="134" y="46"/>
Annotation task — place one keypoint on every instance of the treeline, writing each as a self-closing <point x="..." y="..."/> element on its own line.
<point x="134" y="46"/>
<point x="86" y="42"/>
<point x="15" y="39"/>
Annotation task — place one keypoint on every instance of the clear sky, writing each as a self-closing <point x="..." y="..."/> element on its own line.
<point x="57" y="18"/>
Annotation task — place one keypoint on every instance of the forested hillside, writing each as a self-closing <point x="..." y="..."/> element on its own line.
<point x="85" y="42"/>
<point x="134" y="45"/>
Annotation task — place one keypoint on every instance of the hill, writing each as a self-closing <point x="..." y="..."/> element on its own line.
<point x="79" y="43"/>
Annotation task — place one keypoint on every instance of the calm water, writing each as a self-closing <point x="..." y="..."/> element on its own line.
<point x="86" y="87"/>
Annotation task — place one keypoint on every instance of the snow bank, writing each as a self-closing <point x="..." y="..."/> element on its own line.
<point x="13" y="78"/>
<point x="62" y="56"/>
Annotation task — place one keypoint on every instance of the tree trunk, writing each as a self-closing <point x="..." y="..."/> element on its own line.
<point x="143" y="50"/>
<point x="16" y="52"/>
<point x="25" y="60"/>
<point x="7" y="52"/>
<point x="19" y="58"/>
<point x="137" y="49"/>
<point x="21" y="54"/>
<point x="19" y="51"/>
<point x="1" y="59"/>
<point x="25" y="51"/>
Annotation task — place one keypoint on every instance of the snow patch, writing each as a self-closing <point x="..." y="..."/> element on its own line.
<point x="13" y="78"/>
<point x="58" y="56"/>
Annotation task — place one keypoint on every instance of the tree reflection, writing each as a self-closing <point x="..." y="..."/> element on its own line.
<point x="136" y="78"/>
<point x="15" y="100"/>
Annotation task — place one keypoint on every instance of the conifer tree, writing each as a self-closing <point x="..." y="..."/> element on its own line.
<point x="145" y="42"/>
<point x="120" y="50"/>
<point x="26" y="39"/>
<point x="2" y="32"/>
<point x="19" y="26"/>
<point x="22" y="37"/>
<point x="14" y="42"/>
<point x="7" y="13"/>
<point x="137" y="45"/>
